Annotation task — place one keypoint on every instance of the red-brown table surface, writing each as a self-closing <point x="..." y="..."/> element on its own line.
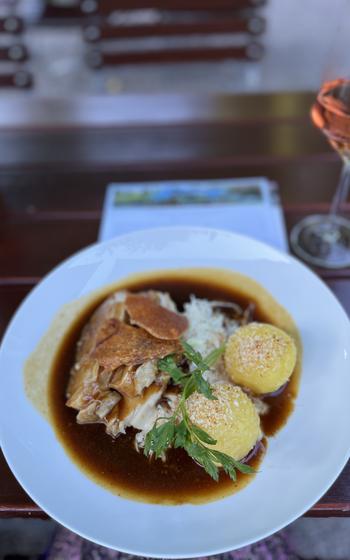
<point x="56" y="158"/>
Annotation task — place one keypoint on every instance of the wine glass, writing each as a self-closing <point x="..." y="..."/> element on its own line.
<point x="324" y="240"/>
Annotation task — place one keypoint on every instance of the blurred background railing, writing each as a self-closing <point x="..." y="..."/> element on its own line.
<point x="106" y="47"/>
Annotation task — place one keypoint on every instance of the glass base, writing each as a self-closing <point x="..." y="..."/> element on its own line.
<point x="322" y="241"/>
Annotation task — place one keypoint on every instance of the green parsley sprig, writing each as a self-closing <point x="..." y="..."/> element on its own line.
<point x="178" y="431"/>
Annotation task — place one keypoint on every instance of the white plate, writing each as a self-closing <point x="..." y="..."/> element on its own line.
<point x="302" y="461"/>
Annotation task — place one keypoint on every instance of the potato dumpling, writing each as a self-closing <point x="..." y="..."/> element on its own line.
<point x="231" y="419"/>
<point x="260" y="357"/>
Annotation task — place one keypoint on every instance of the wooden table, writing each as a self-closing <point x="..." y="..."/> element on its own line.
<point x="56" y="159"/>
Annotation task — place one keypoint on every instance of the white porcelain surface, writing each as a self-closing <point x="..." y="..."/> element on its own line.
<point x="302" y="460"/>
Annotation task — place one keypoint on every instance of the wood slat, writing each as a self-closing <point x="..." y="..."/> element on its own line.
<point x="14" y="502"/>
<point x="250" y="52"/>
<point x="253" y="26"/>
<point x="321" y="510"/>
<point x="107" y="6"/>
<point x="20" y="80"/>
<point x="11" y="296"/>
<point x="155" y="147"/>
<point x="59" y="13"/>
<point x="32" y="248"/>
<point x="28" y="192"/>
<point x="24" y="250"/>
<point x="168" y="109"/>
<point x="341" y="289"/>
<point x="336" y="502"/>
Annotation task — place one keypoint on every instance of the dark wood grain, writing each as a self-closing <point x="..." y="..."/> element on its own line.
<point x="336" y="502"/>
<point x="37" y="113"/>
<point x="23" y="251"/>
<point x="13" y="499"/>
<point x="157" y="147"/>
<point x="109" y="6"/>
<point x="82" y="190"/>
<point x="11" y="295"/>
<point x="57" y="13"/>
<point x="33" y="247"/>
<point x="100" y="58"/>
<point x="53" y="179"/>
<point x="20" y="80"/>
<point x="341" y="289"/>
<point x="252" y="26"/>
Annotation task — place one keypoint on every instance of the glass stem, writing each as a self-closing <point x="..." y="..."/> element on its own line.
<point x="342" y="191"/>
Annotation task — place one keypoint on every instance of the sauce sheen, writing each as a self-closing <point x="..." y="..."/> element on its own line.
<point x="115" y="463"/>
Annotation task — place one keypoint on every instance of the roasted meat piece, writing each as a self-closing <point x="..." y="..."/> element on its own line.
<point x="115" y="379"/>
<point x="130" y="381"/>
<point x="155" y="319"/>
<point x="101" y="324"/>
<point x="131" y="346"/>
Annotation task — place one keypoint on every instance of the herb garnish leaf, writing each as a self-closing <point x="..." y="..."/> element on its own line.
<point x="200" y="455"/>
<point x="203" y="436"/>
<point x="178" y="431"/>
<point x="181" y="435"/>
<point x="159" y="438"/>
<point x="168" y="364"/>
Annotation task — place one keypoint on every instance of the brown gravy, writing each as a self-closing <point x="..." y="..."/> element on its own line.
<point x="114" y="463"/>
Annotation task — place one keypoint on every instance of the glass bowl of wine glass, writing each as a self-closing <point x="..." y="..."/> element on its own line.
<point x="324" y="240"/>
